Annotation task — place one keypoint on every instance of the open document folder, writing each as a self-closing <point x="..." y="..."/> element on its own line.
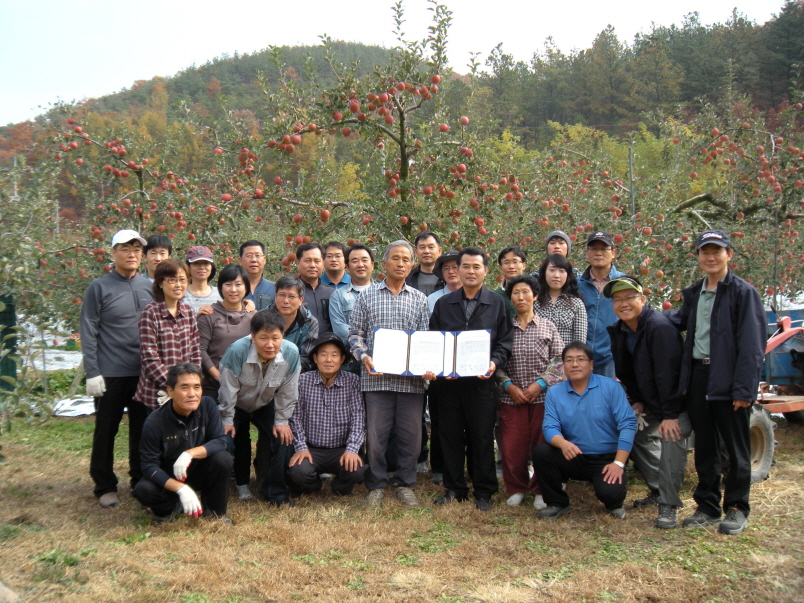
<point x="446" y="353"/>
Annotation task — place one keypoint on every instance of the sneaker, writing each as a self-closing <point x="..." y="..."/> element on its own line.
<point x="618" y="513"/>
<point x="422" y="467"/>
<point x="244" y="492"/>
<point x="484" y="504"/>
<point x="109" y="500"/>
<point x="649" y="501"/>
<point x="406" y="496"/>
<point x="375" y="497"/>
<point x="734" y="523"/>
<point x="515" y="499"/>
<point x="699" y="519"/>
<point x="438" y="479"/>
<point x="668" y="518"/>
<point x="553" y="512"/>
<point x="538" y="503"/>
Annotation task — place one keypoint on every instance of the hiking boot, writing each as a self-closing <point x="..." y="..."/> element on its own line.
<point x="554" y="512"/>
<point x="515" y="499"/>
<point x="618" y="513"/>
<point x="538" y="503"/>
<point x="649" y="501"/>
<point x="244" y="492"/>
<point x="375" y="497"/>
<point x="406" y="496"/>
<point x="109" y="500"/>
<point x="668" y="518"/>
<point x="699" y="519"/>
<point x="734" y="523"/>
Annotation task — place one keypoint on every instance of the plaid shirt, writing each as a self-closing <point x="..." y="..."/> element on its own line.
<point x="329" y="417"/>
<point x="568" y="314"/>
<point x="378" y="307"/>
<point x="165" y="340"/>
<point x="532" y="358"/>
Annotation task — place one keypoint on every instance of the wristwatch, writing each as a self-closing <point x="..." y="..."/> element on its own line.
<point x="619" y="464"/>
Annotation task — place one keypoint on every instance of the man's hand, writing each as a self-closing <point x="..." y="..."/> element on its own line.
<point x="613" y="474"/>
<point x="490" y="372"/>
<point x="96" y="386"/>
<point x="570" y="450"/>
<point x="229" y="430"/>
<point x="351" y="461"/>
<point x="205" y="310"/>
<point x="429" y="376"/>
<point x="670" y="430"/>
<point x="299" y="456"/>
<point x="284" y="433"/>
<point x="517" y="395"/>
<point x="181" y="465"/>
<point x="189" y="501"/>
<point x="532" y="391"/>
<point x="368" y="363"/>
<point x="737" y="403"/>
<point x="638" y="408"/>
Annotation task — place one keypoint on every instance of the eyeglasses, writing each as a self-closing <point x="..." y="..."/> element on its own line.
<point x="333" y="256"/>
<point x="451" y="268"/>
<point x="174" y="281"/>
<point x="287" y="296"/>
<point x="575" y="360"/>
<point x="254" y="256"/>
<point x="623" y="300"/>
<point x="598" y="249"/>
<point x="511" y="262"/>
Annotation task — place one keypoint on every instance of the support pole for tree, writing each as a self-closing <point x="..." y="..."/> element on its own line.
<point x="631" y="181"/>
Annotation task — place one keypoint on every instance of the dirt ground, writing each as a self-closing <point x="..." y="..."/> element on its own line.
<point x="56" y="544"/>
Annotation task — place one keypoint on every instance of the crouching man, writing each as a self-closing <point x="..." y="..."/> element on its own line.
<point x="329" y="422"/>
<point x="183" y="452"/>
<point x="589" y="430"/>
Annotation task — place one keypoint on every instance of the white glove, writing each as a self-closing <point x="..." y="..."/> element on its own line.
<point x="162" y="397"/>
<point x="96" y="386"/>
<point x="181" y="464"/>
<point x="189" y="501"/>
<point x="642" y="422"/>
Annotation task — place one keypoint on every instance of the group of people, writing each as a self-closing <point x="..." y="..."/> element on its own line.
<point x="196" y="365"/>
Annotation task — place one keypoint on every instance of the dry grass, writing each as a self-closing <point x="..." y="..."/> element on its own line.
<point x="56" y="544"/>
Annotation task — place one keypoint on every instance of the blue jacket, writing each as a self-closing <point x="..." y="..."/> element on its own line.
<point x="600" y="314"/>
<point x="737" y="337"/>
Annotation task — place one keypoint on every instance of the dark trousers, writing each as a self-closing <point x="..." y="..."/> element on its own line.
<point x="272" y="457"/>
<point x="401" y="412"/>
<point x="716" y="421"/>
<point x="109" y="412"/>
<point x="306" y="475"/>
<point x="552" y="469"/>
<point x="209" y="478"/>
<point x="467" y="412"/>
<point x="436" y="454"/>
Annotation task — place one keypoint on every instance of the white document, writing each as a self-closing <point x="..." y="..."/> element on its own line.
<point x="426" y="352"/>
<point x="472" y="353"/>
<point x="390" y="352"/>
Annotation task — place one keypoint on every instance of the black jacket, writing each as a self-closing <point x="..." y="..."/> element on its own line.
<point x="166" y="435"/>
<point x="491" y="313"/>
<point x="650" y="375"/>
<point x="317" y="301"/>
<point x="413" y="280"/>
<point x="738" y="334"/>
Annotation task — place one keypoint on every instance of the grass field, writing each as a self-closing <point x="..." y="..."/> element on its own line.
<point x="56" y="544"/>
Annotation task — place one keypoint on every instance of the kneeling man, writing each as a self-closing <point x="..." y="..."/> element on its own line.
<point x="589" y="430"/>
<point x="183" y="452"/>
<point x="329" y="422"/>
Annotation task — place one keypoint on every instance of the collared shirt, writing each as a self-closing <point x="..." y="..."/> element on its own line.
<point x="568" y="314"/>
<point x="600" y="284"/>
<point x="535" y="346"/>
<point x="379" y="308"/>
<point x="329" y="417"/>
<point x="245" y="385"/>
<point x="340" y="308"/>
<point x="345" y="280"/>
<point x="262" y="295"/>
<point x="435" y="296"/>
<point x="165" y="340"/>
<point x="703" y="321"/>
<point x="598" y="421"/>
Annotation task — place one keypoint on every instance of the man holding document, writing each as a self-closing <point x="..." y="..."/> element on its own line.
<point x="394" y="399"/>
<point x="467" y="406"/>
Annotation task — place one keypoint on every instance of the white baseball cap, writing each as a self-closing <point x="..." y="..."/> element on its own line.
<point x="126" y="236"/>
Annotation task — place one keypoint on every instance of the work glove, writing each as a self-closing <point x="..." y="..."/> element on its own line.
<point x="96" y="386"/>
<point x="642" y="422"/>
<point x="181" y="464"/>
<point x="162" y="397"/>
<point x="189" y="501"/>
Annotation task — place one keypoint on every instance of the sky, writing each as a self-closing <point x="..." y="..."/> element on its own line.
<point x="69" y="50"/>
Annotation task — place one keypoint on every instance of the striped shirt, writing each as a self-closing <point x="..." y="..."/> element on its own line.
<point x="379" y="307"/>
<point x="568" y="314"/>
<point x="165" y="340"/>
<point x="329" y="417"/>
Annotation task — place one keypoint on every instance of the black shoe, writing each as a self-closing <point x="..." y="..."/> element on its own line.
<point x="650" y="500"/>
<point x="553" y="512"/>
<point x="734" y="523"/>
<point x="449" y="496"/>
<point x="170" y="517"/>
<point x="282" y="502"/>
<point x="484" y="504"/>
<point x="438" y="479"/>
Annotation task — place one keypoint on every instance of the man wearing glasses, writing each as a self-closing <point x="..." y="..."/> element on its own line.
<point x="512" y="262"/>
<point x="252" y="259"/>
<point x="647" y="351"/>
<point x="589" y="430"/>
<point x="599" y="311"/>
<point x="335" y="275"/>
<point x="301" y="327"/>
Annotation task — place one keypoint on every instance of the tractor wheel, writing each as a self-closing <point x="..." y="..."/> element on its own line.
<point x="762" y="443"/>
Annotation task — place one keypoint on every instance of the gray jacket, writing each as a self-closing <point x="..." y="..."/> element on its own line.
<point x="110" y="315"/>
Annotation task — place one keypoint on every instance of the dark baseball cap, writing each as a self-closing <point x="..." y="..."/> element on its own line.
<point x="334" y="339"/>
<point x="602" y="236"/>
<point x="717" y="237"/>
